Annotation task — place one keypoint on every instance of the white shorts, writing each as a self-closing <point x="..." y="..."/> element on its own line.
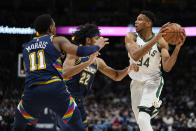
<point x="145" y="94"/>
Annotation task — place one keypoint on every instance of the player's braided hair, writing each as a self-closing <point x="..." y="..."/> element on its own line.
<point x="84" y="31"/>
<point x="150" y="15"/>
<point x="42" y="23"/>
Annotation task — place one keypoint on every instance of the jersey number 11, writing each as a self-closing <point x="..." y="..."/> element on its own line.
<point x="41" y="60"/>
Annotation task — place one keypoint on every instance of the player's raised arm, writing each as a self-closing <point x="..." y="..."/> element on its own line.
<point x="169" y="61"/>
<point x="69" y="67"/>
<point x="61" y="43"/>
<point x="116" y="75"/>
<point x="137" y="52"/>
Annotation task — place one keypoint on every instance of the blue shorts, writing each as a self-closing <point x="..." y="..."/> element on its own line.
<point x="52" y="95"/>
<point x="37" y="97"/>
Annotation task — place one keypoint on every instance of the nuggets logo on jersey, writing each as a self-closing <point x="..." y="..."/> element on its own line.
<point x="91" y="69"/>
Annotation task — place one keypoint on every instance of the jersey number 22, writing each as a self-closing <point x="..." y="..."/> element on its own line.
<point x="85" y="77"/>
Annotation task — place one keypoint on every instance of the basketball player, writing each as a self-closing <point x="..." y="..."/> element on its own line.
<point x="146" y="50"/>
<point x="82" y="80"/>
<point x="44" y="86"/>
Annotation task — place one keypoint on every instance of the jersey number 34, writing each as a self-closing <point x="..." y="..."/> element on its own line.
<point x="143" y="62"/>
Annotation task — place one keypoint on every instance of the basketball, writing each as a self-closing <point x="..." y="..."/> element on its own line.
<point x="173" y="33"/>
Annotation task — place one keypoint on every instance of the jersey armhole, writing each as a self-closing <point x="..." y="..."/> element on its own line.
<point x="136" y="35"/>
<point x="158" y="47"/>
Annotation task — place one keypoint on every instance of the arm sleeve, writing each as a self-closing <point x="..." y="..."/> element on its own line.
<point x="86" y="50"/>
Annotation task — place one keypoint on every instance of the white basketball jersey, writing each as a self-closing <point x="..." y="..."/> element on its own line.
<point x="149" y="64"/>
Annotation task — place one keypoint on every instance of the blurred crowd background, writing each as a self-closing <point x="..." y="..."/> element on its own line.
<point x="108" y="104"/>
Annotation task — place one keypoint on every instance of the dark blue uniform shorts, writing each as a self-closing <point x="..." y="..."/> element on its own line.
<point x="53" y="96"/>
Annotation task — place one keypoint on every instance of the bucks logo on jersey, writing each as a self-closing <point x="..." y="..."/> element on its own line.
<point x="145" y="62"/>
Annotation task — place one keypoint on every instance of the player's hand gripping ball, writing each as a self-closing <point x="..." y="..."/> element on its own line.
<point x="173" y="33"/>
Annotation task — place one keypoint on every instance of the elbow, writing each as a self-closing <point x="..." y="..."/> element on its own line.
<point x="167" y="69"/>
<point x="117" y="79"/>
<point x="134" y="57"/>
<point x="65" y="74"/>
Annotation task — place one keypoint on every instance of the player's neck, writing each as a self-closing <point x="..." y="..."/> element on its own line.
<point x="47" y="33"/>
<point x="146" y="34"/>
<point x="88" y="44"/>
<point x="40" y="35"/>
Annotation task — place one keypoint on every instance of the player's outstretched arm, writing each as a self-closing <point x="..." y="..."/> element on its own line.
<point x="116" y="75"/>
<point x="63" y="44"/>
<point x="169" y="61"/>
<point x="137" y="52"/>
<point x="69" y="67"/>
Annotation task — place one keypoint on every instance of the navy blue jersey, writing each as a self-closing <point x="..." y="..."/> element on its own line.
<point x="39" y="56"/>
<point x="80" y="83"/>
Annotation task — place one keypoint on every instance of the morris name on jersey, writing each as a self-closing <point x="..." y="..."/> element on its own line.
<point x="37" y="45"/>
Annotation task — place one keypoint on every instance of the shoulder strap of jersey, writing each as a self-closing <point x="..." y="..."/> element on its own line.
<point x="52" y="38"/>
<point x="136" y="34"/>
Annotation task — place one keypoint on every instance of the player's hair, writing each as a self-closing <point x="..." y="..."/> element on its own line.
<point x="84" y="31"/>
<point x="150" y="15"/>
<point x="42" y="23"/>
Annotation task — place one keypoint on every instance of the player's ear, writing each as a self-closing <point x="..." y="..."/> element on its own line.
<point x="88" y="40"/>
<point x="50" y="29"/>
<point x="149" y="23"/>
